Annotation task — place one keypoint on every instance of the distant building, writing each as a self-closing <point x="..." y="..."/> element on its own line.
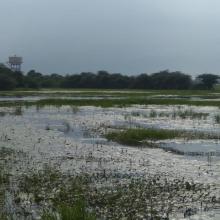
<point x="15" y="63"/>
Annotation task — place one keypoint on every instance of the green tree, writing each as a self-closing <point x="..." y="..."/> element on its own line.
<point x="208" y="80"/>
<point x="7" y="82"/>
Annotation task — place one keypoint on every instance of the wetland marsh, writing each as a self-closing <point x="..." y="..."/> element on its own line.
<point x="110" y="155"/>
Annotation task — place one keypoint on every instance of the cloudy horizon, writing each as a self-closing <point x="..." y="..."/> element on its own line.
<point x="126" y="36"/>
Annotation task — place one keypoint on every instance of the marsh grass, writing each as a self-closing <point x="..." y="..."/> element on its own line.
<point x="35" y="182"/>
<point x="95" y="92"/>
<point x="77" y="92"/>
<point x="189" y="113"/>
<point x="17" y="111"/>
<point x="74" y="109"/>
<point x="153" y="198"/>
<point x="123" y="102"/>
<point x="65" y="193"/>
<point x="105" y="103"/>
<point x="144" y="136"/>
<point x="65" y="212"/>
<point x="4" y="180"/>
<point x="126" y="97"/>
<point x="153" y="114"/>
<point x="2" y="192"/>
<point x="182" y="114"/>
<point x="137" y="136"/>
<point x="217" y="119"/>
<point x="110" y="195"/>
<point x="67" y="127"/>
<point x="135" y="114"/>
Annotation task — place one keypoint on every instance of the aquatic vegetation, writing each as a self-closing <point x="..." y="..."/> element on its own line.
<point x="179" y="113"/>
<point x="105" y="103"/>
<point x="63" y="192"/>
<point x="80" y="175"/>
<point x="129" y="119"/>
<point x="138" y="136"/>
<point x="142" y="136"/>
<point x="95" y="92"/>
<point x="18" y="111"/>
<point x="2" y="191"/>
<point x="4" y="180"/>
<point x="122" y="102"/>
<point x="111" y="195"/>
<point x="217" y="119"/>
<point x="64" y="212"/>
<point x="135" y="114"/>
<point x="75" y="109"/>
<point x="154" y="197"/>
<point x="153" y="114"/>
<point x="67" y="127"/>
<point x="164" y="114"/>
<point x="189" y="113"/>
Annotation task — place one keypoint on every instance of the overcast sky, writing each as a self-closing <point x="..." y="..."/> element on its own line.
<point x="127" y="36"/>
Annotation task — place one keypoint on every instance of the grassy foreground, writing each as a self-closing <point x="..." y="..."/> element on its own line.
<point x="64" y="212"/>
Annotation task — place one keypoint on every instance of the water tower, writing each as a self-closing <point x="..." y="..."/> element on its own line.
<point x="15" y="63"/>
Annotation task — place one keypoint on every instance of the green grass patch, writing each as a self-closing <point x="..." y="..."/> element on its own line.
<point x="142" y="136"/>
<point x="77" y="92"/>
<point x="105" y="103"/>
<point x="65" y="212"/>
<point x="103" y="92"/>
<point x="135" y="137"/>
<point x="119" y="98"/>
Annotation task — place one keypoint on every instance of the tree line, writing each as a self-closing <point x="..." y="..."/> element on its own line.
<point x="104" y="80"/>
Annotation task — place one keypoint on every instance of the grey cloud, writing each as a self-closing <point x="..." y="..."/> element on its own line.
<point x="128" y="36"/>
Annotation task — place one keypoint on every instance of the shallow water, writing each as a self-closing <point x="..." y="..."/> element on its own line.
<point x="36" y="98"/>
<point x="212" y="147"/>
<point x="66" y="139"/>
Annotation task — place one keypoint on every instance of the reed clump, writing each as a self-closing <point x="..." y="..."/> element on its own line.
<point x="144" y="136"/>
